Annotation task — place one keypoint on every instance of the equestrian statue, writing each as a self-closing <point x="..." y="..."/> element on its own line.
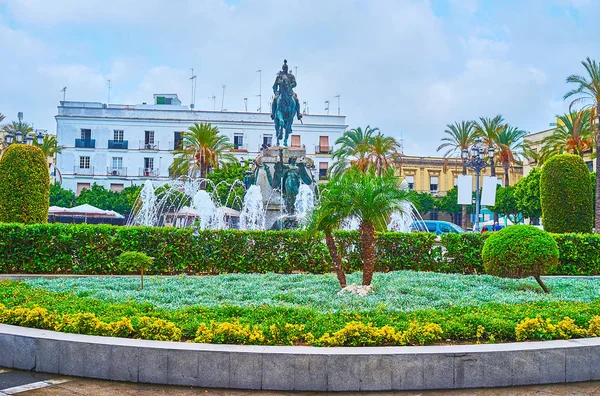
<point x="285" y="104"/>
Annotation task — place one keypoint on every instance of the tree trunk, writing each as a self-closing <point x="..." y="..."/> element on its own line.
<point x="335" y="259"/>
<point x="506" y="167"/>
<point x="539" y="281"/>
<point x="464" y="207"/>
<point x="367" y="248"/>
<point x="597" y="212"/>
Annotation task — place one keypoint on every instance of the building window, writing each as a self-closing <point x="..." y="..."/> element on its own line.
<point x="590" y="165"/>
<point x="84" y="162"/>
<point x="118" y="135"/>
<point x="149" y="137"/>
<point x="323" y="170"/>
<point x="86" y="134"/>
<point x="267" y="141"/>
<point x="116" y="187"/>
<point x="81" y="186"/>
<point x="177" y="140"/>
<point x="148" y="164"/>
<point x="411" y="182"/>
<point x="433" y="183"/>
<point x="117" y="162"/>
<point x="295" y="140"/>
<point x="238" y="141"/>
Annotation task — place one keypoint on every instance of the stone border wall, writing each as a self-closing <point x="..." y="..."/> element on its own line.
<point x="300" y="368"/>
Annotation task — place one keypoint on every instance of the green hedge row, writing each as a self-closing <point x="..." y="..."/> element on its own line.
<point x="93" y="249"/>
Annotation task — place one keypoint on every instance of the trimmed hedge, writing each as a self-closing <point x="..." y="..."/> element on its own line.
<point x="24" y="185"/>
<point x="566" y="195"/>
<point x="93" y="249"/>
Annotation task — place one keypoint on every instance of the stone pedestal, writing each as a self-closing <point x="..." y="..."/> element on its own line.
<point x="272" y="199"/>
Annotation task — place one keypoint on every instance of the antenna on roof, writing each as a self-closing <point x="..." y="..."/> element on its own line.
<point x="338" y="98"/>
<point x="327" y="106"/>
<point x="246" y="104"/>
<point x="401" y="143"/>
<point x="223" y="97"/>
<point x="305" y="111"/>
<point x="259" y="71"/>
<point x="64" y="91"/>
<point x="108" y="101"/>
<point x="214" y="99"/>
<point x="193" y="98"/>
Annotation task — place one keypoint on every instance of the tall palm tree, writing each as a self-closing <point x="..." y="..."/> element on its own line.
<point x="588" y="93"/>
<point x="460" y="136"/>
<point x="353" y="146"/>
<point x="572" y="134"/>
<point x="382" y="153"/>
<point x="369" y="198"/>
<point x="202" y="149"/>
<point x="488" y="129"/>
<point x="509" y="143"/>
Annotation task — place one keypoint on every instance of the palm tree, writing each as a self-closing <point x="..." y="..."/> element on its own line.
<point x="382" y="153"/>
<point x="509" y="143"/>
<point x="2" y="117"/>
<point x="588" y="93"/>
<point x="353" y="146"/>
<point x="326" y="220"/>
<point x="460" y="136"/>
<point x="202" y="149"/>
<point x="572" y="134"/>
<point x="18" y="126"/>
<point x="49" y="146"/>
<point x="488" y="129"/>
<point x="367" y="197"/>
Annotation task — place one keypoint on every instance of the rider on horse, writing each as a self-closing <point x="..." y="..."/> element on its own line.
<point x="284" y="74"/>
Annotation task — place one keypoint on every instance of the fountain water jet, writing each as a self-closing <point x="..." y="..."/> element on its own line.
<point x="252" y="216"/>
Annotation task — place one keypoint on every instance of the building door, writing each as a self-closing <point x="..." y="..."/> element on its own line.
<point x="177" y="140"/>
<point x="323" y="144"/>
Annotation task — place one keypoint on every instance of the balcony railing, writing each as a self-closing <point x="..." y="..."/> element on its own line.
<point x="323" y="149"/>
<point x="118" y="144"/>
<point x="148" y="146"/>
<point x="240" y="147"/>
<point x="116" y="171"/>
<point x="83" y="171"/>
<point x="149" y="172"/>
<point x="85" y="143"/>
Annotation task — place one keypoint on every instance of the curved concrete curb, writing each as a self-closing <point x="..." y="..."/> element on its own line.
<point x="300" y="368"/>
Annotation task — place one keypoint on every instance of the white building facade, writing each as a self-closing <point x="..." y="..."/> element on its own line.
<point x="117" y="146"/>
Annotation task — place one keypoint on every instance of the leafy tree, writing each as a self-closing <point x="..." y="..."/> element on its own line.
<point x="203" y="149"/>
<point x="61" y="197"/>
<point x="588" y="93"/>
<point x="423" y="202"/>
<point x="230" y="174"/>
<point x="369" y="198"/>
<point x="449" y="204"/>
<point x="506" y="203"/>
<point x="527" y="194"/>
<point x="130" y="195"/>
<point x="460" y="136"/>
<point x="102" y="198"/>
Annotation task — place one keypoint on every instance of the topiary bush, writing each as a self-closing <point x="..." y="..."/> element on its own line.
<point x="566" y="195"/>
<point x="520" y="251"/>
<point x="24" y="185"/>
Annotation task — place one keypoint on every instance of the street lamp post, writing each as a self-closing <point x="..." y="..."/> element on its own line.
<point x="477" y="162"/>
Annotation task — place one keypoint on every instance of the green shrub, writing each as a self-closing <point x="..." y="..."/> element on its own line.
<point x="24" y="185"/>
<point x="520" y="251"/>
<point x="463" y="253"/>
<point x="566" y="195"/>
<point x="134" y="261"/>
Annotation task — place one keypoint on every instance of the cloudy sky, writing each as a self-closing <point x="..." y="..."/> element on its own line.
<point x="407" y="66"/>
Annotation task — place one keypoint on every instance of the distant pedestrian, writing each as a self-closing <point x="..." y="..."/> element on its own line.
<point x="497" y="227"/>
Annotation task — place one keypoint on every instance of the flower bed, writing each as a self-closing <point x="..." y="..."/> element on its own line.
<point x="395" y="314"/>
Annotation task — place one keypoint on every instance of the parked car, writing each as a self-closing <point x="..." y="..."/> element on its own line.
<point x="436" y="227"/>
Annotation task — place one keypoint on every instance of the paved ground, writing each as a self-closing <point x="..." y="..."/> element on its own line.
<point x="33" y="384"/>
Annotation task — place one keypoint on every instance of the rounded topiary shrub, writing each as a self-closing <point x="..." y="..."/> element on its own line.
<point x="520" y="251"/>
<point x="566" y="195"/>
<point x="24" y="185"/>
